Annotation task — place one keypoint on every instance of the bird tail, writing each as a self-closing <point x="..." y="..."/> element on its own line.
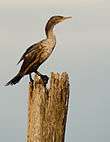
<point x="15" y="80"/>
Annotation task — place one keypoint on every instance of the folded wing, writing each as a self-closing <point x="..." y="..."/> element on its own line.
<point x="29" y="50"/>
<point x="30" y="59"/>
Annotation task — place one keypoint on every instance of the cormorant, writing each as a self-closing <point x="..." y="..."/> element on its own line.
<point x="38" y="52"/>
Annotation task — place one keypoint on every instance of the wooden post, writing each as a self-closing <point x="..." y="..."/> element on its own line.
<point x="47" y="109"/>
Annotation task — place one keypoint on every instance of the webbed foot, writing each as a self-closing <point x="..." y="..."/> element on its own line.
<point x="45" y="79"/>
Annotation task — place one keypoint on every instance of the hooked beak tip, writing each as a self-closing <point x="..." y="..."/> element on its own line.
<point x="67" y="17"/>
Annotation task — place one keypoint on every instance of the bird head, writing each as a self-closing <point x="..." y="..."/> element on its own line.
<point x="53" y="21"/>
<point x="57" y="19"/>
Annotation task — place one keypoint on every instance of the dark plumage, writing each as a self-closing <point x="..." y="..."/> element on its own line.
<point x="38" y="53"/>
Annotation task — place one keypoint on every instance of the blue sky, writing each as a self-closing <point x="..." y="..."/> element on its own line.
<point x="82" y="49"/>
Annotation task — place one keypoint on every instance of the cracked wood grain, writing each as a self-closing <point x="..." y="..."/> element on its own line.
<point x="47" y="109"/>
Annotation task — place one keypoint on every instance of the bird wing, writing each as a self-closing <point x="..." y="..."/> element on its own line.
<point x="28" y="51"/>
<point x="31" y="57"/>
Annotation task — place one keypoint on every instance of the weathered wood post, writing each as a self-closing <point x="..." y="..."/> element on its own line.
<point x="47" y="109"/>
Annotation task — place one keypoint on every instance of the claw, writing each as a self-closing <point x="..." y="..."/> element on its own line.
<point x="45" y="79"/>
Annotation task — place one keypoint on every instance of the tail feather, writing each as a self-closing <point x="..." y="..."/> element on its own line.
<point x="15" y="80"/>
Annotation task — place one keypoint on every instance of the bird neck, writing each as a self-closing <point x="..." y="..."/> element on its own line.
<point x="49" y="31"/>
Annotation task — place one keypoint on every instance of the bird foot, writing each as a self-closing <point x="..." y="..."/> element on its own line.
<point x="45" y="79"/>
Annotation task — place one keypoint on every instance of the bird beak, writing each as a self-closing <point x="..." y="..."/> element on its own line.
<point x="67" y="17"/>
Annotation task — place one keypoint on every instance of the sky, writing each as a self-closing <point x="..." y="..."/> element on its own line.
<point x="82" y="50"/>
<point x="34" y="3"/>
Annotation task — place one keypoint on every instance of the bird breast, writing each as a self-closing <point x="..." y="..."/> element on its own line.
<point x="47" y="48"/>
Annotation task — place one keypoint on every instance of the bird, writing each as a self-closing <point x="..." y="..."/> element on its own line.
<point x="36" y="54"/>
